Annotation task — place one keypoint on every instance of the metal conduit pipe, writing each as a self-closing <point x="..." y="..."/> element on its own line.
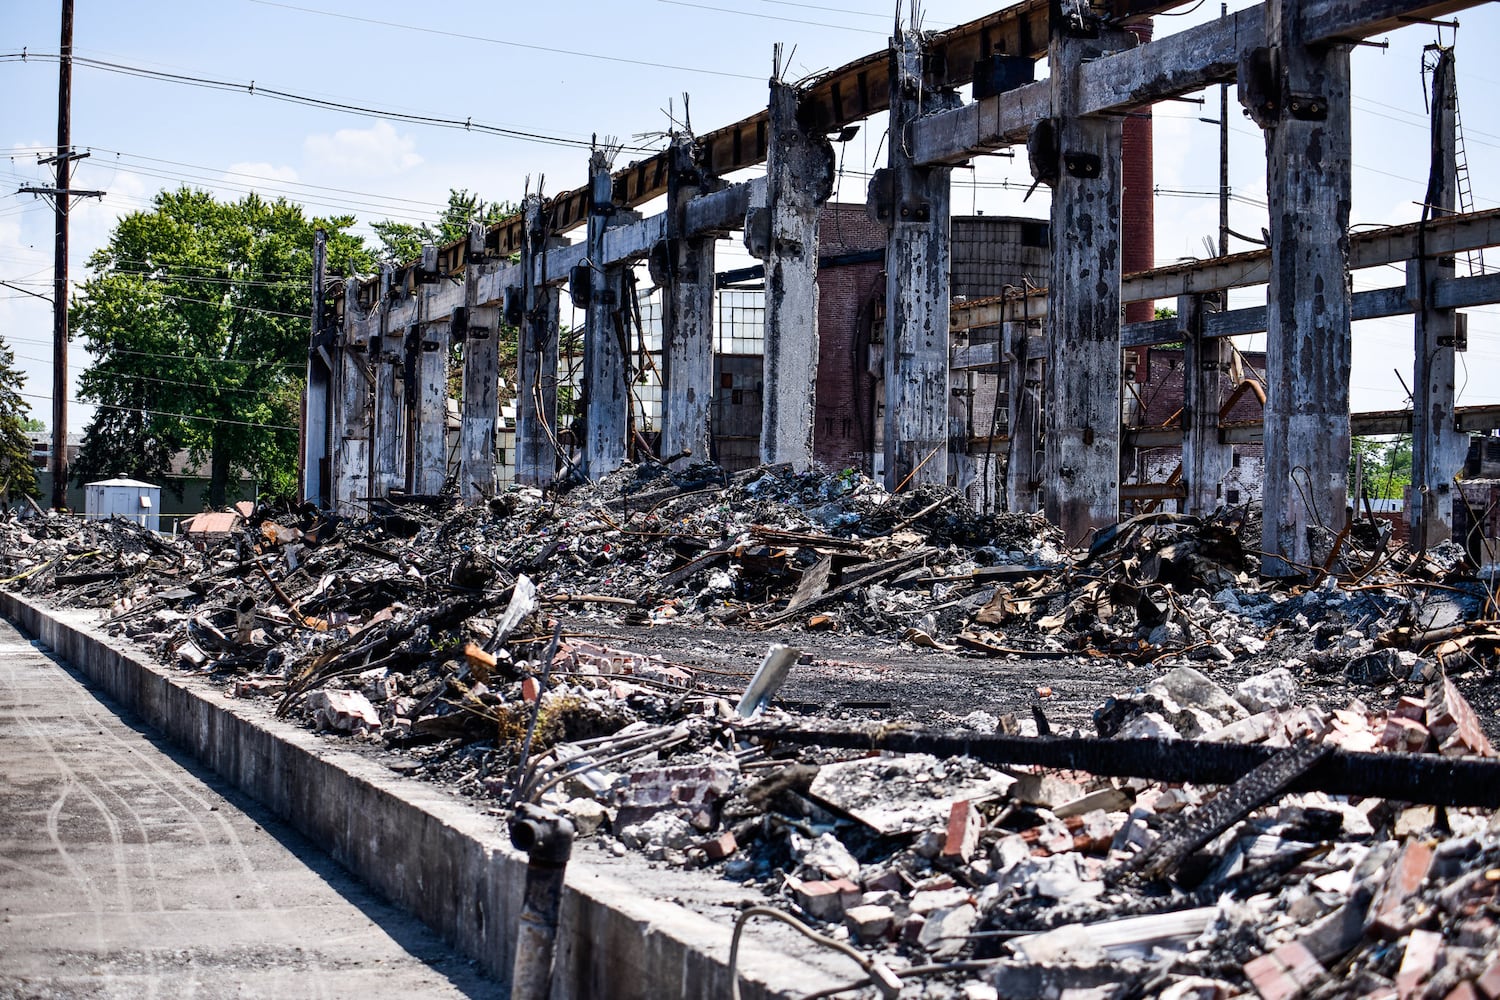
<point x="547" y="839"/>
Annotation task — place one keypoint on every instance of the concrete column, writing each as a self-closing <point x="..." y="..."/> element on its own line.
<point x="784" y="233"/>
<point x="686" y="276"/>
<point x="387" y="465"/>
<point x="604" y="376"/>
<point x="916" y="287"/>
<point x="1438" y="450"/>
<point x="426" y="378"/>
<point x="1206" y="458"/>
<point x="1082" y="155"/>
<point x="1300" y="96"/>
<point x="536" y="362"/>
<point x="317" y="402"/>
<point x="479" y="408"/>
<point x="353" y="413"/>
<point x="1023" y="373"/>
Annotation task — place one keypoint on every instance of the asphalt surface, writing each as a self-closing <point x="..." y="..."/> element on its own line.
<point x="126" y="871"/>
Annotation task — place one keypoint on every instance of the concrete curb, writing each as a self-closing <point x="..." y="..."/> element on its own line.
<point x="419" y="846"/>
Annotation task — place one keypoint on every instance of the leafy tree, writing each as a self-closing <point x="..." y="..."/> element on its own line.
<point x="196" y="317"/>
<point x="402" y="241"/>
<point x="1387" y="466"/>
<point x="17" y="473"/>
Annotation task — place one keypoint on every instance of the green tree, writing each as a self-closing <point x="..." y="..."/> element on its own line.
<point x="17" y="473"/>
<point x="1387" y="466"/>
<point x="402" y="241"/>
<point x="196" y="318"/>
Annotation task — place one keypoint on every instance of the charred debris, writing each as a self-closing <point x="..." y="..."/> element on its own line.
<point x="1292" y="791"/>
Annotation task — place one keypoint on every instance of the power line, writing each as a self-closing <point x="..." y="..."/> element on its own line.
<point x="421" y="203"/>
<point x="164" y="413"/>
<point x="508" y="42"/>
<point x="254" y="90"/>
<point x="272" y="188"/>
<point x="763" y="17"/>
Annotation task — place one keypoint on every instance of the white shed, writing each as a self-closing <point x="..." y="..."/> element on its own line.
<point x="130" y="498"/>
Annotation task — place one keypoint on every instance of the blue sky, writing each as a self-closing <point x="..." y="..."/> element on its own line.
<point x="572" y="69"/>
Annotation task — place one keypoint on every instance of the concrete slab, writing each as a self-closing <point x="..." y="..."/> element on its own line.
<point x="125" y="871"/>
<point x="436" y="856"/>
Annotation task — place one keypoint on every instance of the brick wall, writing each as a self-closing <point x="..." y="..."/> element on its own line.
<point x="1138" y="220"/>
<point x="848" y="297"/>
<point x="1161" y="396"/>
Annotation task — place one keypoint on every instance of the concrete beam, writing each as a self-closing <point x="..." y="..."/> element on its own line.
<point x="479" y="408"/>
<point x="387" y="462"/>
<point x="536" y="359"/>
<point x="426" y="379"/>
<point x="1374" y="248"/>
<point x="1024" y="458"/>
<point x="1083" y="299"/>
<point x="1120" y="79"/>
<point x="606" y="391"/>
<point x="1438" y="451"/>
<point x="1306" y="119"/>
<point x="916" y="210"/>
<point x="684" y="269"/>
<point x="1467" y="419"/>
<point x="353" y="412"/>
<point x="1206" y="458"/>
<point x="317" y="402"/>
<point x="784" y="233"/>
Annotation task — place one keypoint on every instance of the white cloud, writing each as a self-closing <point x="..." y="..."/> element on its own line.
<point x="375" y="151"/>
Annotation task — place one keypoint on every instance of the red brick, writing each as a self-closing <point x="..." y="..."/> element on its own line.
<point x="1407" y="875"/>
<point x="1489" y="983"/>
<point x="1270" y="979"/>
<point x="964" y="825"/>
<point x="720" y="847"/>
<point x="1410" y="708"/>
<point x="1417" y="962"/>
<point x="1403" y="734"/>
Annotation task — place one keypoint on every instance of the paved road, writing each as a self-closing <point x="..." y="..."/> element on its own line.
<point x="128" y="872"/>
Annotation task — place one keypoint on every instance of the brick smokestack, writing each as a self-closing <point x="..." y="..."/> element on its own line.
<point x="1138" y="224"/>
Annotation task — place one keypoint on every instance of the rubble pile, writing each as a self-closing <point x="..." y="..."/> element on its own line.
<point x="472" y="643"/>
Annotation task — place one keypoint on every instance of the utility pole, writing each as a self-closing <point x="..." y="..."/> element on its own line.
<point x="61" y="200"/>
<point x="1224" y="158"/>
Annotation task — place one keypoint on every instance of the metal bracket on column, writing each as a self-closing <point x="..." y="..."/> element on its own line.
<point x="1082" y="165"/>
<point x="1043" y="153"/>
<point x="581" y="282"/>
<point x="427" y="271"/>
<point x="1308" y="107"/>
<point x="880" y="197"/>
<point x="513" y="305"/>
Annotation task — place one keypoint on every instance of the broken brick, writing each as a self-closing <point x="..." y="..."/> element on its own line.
<point x="870" y="923"/>
<point x="964" y="824"/>
<point x="825" y="900"/>
<point x="1489" y="983"/>
<point x="720" y="847"/>
<point x="1390" y="916"/>
<point x="1417" y="962"/>
<point x="1403" y="734"/>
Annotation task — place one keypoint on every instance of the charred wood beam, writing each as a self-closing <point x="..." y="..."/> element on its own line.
<point x="833" y="100"/>
<point x="1194" y="828"/>
<point x="1430" y="779"/>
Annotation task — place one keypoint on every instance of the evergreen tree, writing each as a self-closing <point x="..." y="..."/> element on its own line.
<point x="17" y="473"/>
